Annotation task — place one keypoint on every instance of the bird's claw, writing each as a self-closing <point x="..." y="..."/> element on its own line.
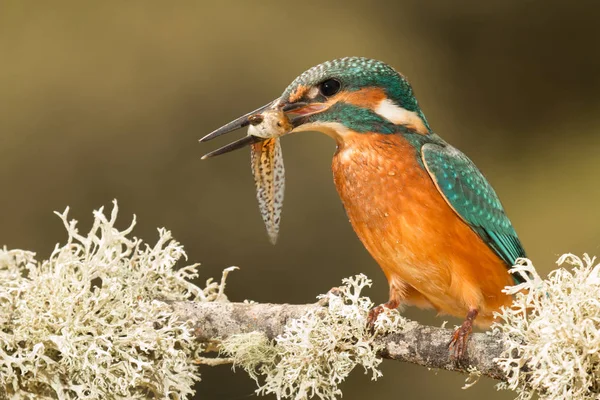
<point x="373" y="315"/>
<point x="460" y="337"/>
<point x="375" y="311"/>
<point x="458" y="344"/>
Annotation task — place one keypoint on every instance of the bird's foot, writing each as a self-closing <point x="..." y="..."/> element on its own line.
<point x="375" y="311"/>
<point x="460" y="337"/>
<point x="373" y="314"/>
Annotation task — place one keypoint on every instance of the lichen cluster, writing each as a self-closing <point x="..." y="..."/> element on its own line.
<point x="93" y="321"/>
<point x="553" y="332"/>
<point x="318" y="351"/>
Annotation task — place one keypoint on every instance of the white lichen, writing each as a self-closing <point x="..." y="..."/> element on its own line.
<point x="472" y="378"/>
<point x="252" y="351"/>
<point x="92" y="321"/>
<point x="319" y="350"/>
<point x="553" y="332"/>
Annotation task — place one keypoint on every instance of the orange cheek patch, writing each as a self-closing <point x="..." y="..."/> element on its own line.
<point x="298" y="93"/>
<point x="311" y="109"/>
<point x="365" y="98"/>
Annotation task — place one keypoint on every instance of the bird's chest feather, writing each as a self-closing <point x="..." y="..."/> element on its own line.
<point x="389" y="197"/>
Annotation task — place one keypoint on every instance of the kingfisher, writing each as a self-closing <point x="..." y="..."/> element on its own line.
<point x="421" y="208"/>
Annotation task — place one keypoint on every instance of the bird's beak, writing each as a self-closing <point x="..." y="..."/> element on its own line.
<point x="234" y="125"/>
<point x="296" y="113"/>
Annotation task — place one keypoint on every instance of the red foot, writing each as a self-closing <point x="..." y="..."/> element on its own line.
<point x="458" y="344"/>
<point x="375" y="311"/>
<point x="373" y="314"/>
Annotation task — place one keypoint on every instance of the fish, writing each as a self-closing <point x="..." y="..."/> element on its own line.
<point x="266" y="160"/>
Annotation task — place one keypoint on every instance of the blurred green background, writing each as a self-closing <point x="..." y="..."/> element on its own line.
<point x="104" y="100"/>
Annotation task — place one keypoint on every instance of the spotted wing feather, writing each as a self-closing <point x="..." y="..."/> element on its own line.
<point x="269" y="177"/>
<point x="471" y="196"/>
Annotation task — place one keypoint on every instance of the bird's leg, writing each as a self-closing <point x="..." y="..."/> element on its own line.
<point x="458" y="344"/>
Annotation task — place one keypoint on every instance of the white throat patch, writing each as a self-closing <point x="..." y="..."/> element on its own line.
<point x="400" y="116"/>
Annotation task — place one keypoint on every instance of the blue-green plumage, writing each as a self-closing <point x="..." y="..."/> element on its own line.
<point x="474" y="200"/>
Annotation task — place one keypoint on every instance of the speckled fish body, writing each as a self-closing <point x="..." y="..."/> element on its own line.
<point x="266" y="161"/>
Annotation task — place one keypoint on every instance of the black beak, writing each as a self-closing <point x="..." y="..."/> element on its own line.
<point x="234" y="125"/>
<point x="238" y="144"/>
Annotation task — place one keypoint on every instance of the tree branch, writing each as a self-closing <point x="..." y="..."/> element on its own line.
<point x="417" y="344"/>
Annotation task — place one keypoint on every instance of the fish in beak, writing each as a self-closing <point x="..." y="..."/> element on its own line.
<point x="265" y="126"/>
<point x="266" y="160"/>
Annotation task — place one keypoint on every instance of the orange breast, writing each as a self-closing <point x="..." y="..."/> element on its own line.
<point x="428" y="254"/>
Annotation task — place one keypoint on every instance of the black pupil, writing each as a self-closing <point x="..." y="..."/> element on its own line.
<point x="329" y="87"/>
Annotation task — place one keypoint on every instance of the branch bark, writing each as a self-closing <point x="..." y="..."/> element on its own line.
<point x="417" y="344"/>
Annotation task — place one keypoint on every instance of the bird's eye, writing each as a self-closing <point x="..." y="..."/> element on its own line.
<point x="329" y="87"/>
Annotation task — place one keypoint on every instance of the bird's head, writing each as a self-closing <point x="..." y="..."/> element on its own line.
<point x="351" y="94"/>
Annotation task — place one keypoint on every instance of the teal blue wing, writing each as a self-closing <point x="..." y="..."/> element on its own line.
<point x="473" y="199"/>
